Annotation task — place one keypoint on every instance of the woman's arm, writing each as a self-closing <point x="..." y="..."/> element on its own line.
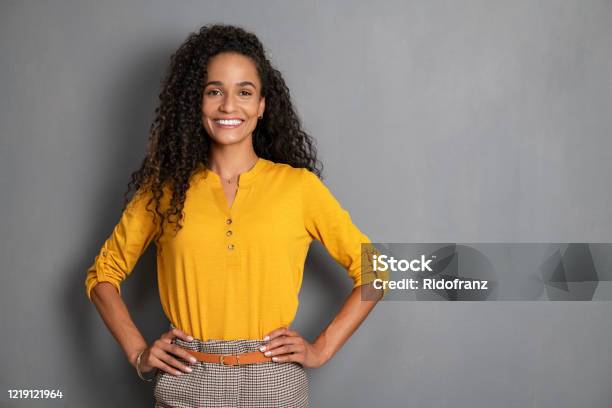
<point x="115" y="315"/>
<point x="287" y="345"/>
<point x="113" y="264"/>
<point x="349" y="318"/>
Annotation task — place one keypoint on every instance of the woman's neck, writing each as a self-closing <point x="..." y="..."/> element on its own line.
<point x="230" y="163"/>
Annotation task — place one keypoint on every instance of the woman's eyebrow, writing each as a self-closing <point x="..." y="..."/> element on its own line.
<point x="219" y="83"/>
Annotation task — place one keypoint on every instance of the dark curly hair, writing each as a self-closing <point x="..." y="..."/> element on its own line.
<point x="178" y="143"/>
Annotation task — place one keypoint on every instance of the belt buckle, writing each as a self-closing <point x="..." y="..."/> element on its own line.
<point x="229" y="355"/>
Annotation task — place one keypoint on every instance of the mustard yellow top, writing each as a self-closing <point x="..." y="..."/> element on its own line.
<point x="235" y="273"/>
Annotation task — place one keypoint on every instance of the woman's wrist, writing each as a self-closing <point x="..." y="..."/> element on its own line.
<point x="133" y="356"/>
<point x="323" y="354"/>
<point x="140" y="373"/>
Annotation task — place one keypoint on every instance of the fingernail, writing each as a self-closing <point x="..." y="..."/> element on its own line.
<point x="267" y="353"/>
<point x="189" y="369"/>
<point x="274" y="359"/>
<point x="189" y="338"/>
<point x="193" y="360"/>
<point x="262" y="348"/>
<point x="266" y="338"/>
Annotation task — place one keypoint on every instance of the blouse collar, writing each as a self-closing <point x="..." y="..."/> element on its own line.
<point x="246" y="178"/>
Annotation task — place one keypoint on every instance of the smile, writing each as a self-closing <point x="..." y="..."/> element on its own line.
<point x="228" y="123"/>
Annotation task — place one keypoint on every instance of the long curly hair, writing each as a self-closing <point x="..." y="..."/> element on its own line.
<point x="178" y="142"/>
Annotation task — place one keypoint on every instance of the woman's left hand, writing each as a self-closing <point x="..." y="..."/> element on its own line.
<point x="287" y="345"/>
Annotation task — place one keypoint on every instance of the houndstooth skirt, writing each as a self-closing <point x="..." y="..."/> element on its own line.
<point x="259" y="385"/>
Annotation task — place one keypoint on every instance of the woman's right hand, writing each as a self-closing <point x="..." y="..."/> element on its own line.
<point x="161" y="354"/>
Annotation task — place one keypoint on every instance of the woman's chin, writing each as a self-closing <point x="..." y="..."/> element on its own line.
<point x="228" y="139"/>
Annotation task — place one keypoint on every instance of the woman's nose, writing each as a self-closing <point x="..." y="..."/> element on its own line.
<point x="227" y="104"/>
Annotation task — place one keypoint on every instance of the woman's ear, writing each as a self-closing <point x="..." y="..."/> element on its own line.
<point x="262" y="106"/>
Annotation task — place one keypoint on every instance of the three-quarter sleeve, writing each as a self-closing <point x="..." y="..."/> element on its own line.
<point x="122" y="249"/>
<point x="328" y="222"/>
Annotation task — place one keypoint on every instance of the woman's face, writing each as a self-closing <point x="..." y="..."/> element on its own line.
<point x="232" y="98"/>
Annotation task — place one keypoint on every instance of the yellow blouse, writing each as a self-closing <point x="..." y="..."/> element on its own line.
<point x="235" y="273"/>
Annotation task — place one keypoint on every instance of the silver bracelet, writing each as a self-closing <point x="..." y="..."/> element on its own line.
<point x="138" y="367"/>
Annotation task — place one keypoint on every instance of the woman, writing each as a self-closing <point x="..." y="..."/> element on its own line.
<point x="230" y="167"/>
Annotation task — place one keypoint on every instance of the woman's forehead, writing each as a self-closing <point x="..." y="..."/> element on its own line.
<point x="232" y="66"/>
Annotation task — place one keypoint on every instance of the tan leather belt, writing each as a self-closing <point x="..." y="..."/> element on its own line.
<point x="230" y="359"/>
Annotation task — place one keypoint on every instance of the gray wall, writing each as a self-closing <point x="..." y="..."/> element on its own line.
<point x="468" y="121"/>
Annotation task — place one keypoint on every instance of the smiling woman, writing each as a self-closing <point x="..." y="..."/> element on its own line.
<point x="230" y="166"/>
<point x="232" y="102"/>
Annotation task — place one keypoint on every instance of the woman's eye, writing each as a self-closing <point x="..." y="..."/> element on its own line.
<point x="214" y="92"/>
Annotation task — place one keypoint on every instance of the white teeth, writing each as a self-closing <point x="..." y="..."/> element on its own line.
<point x="229" y="122"/>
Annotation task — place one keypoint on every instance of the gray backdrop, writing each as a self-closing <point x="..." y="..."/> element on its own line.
<point x="438" y="121"/>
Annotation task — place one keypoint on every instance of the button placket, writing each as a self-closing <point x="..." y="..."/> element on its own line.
<point x="229" y="233"/>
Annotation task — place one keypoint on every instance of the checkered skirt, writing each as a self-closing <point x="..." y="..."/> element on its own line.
<point x="259" y="385"/>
